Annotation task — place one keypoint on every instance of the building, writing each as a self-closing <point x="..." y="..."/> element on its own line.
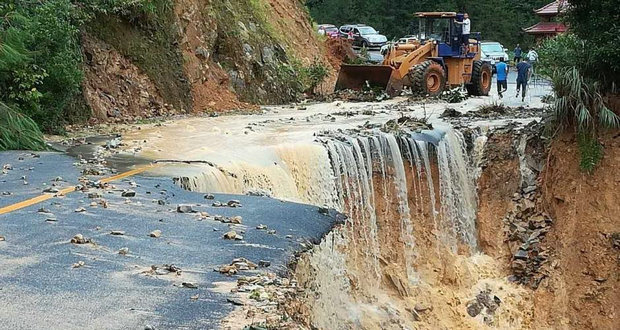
<point x="548" y="25"/>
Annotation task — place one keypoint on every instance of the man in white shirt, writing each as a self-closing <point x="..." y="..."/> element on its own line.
<point x="466" y="24"/>
<point x="532" y="56"/>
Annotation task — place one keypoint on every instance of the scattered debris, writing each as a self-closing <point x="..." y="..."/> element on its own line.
<point x="185" y="208"/>
<point x="235" y="301"/>
<point x="78" y="264"/>
<point x="233" y="235"/>
<point x="526" y="228"/>
<point x="189" y="285"/>
<point x="79" y="239"/>
<point x="234" y="203"/>
<point x="450" y="113"/>
<point x="484" y="303"/>
<point x="128" y="193"/>
<point x="123" y="251"/>
<point x="455" y="95"/>
<point x="163" y="270"/>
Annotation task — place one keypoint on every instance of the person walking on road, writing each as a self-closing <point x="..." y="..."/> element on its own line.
<point x="466" y="24"/>
<point x="502" y="75"/>
<point x="517" y="52"/>
<point x="523" y="75"/>
<point x="532" y="57"/>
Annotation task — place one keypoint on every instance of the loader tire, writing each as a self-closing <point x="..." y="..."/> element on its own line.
<point x="427" y="78"/>
<point x="481" y="75"/>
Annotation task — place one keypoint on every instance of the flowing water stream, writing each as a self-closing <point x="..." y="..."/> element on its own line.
<point x="409" y="194"/>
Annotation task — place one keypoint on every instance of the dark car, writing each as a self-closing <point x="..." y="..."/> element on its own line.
<point x="363" y="36"/>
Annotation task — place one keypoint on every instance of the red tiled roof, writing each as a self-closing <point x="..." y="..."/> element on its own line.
<point x="552" y="8"/>
<point x="546" y="28"/>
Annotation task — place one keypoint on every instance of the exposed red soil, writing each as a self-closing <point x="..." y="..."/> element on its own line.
<point x="337" y="51"/>
<point x="498" y="182"/>
<point x="114" y="88"/>
<point x="583" y="289"/>
<point x="210" y="88"/>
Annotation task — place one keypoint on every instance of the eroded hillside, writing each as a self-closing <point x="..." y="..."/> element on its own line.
<point x="197" y="56"/>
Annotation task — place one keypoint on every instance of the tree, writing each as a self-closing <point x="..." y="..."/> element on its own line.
<point x="596" y="22"/>
<point x="497" y="20"/>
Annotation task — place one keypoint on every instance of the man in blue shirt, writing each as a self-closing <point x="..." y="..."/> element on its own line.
<point x="517" y="52"/>
<point x="523" y="75"/>
<point x="502" y="74"/>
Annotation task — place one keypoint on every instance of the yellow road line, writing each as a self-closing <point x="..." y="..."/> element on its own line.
<point x="64" y="191"/>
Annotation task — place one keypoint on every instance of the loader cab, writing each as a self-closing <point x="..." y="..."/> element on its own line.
<point x="440" y="27"/>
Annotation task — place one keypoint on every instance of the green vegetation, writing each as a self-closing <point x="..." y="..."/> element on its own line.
<point x="145" y="32"/>
<point x="310" y="76"/>
<point x="497" y="20"/>
<point x="40" y="56"/>
<point x="18" y="132"/>
<point x="584" y="68"/>
<point x="590" y="151"/>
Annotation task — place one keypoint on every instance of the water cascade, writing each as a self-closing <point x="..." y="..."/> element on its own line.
<point x="411" y="234"/>
<point x="409" y="194"/>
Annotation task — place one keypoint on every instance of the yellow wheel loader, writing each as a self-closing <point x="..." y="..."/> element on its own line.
<point x="437" y="60"/>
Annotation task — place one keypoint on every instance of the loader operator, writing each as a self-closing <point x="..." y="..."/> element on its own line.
<point x="466" y="23"/>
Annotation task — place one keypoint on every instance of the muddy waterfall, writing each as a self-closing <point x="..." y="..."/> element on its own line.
<point x="410" y="239"/>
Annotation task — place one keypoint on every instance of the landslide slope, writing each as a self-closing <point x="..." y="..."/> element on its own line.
<point x="196" y="56"/>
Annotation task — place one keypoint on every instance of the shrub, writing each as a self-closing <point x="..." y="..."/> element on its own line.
<point x="579" y="85"/>
<point x="40" y="64"/>
<point x="309" y="76"/>
<point x="40" y="56"/>
<point x="18" y="132"/>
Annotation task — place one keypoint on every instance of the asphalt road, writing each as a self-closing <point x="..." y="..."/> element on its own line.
<point x="39" y="289"/>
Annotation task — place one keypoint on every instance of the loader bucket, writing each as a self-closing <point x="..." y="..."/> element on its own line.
<point x="355" y="77"/>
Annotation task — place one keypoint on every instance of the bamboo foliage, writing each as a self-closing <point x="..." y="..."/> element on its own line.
<point x="19" y="132"/>
<point x="580" y="101"/>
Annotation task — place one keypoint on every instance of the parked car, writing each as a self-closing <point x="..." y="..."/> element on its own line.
<point x="363" y="36"/>
<point x="408" y="39"/>
<point x="346" y="31"/>
<point x="493" y="52"/>
<point x="328" y="30"/>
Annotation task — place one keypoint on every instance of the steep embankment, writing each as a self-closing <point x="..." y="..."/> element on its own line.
<point x="197" y="56"/>
<point x="583" y="287"/>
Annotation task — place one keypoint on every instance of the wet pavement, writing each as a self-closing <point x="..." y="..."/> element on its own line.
<point x="40" y="288"/>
